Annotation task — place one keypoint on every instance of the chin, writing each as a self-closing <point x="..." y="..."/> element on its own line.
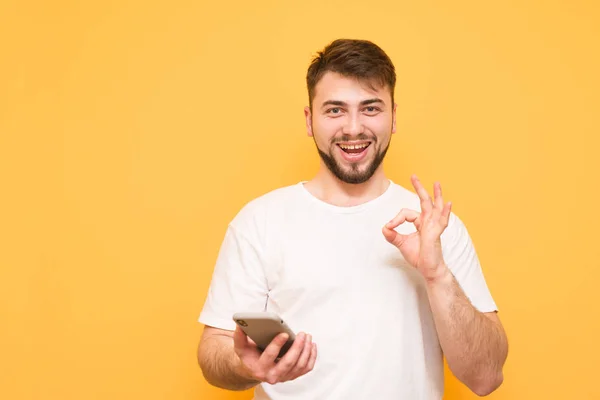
<point x="354" y="177"/>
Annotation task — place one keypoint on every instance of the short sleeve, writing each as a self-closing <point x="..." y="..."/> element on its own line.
<point x="461" y="257"/>
<point x="238" y="282"/>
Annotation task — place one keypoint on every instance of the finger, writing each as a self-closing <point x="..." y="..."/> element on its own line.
<point x="445" y="217"/>
<point x="268" y="356"/>
<point x="437" y="196"/>
<point x="240" y="341"/>
<point x="405" y="215"/>
<point x="289" y="360"/>
<point x="298" y="369"/>
<point x="395" y="238"/>
<point x="312" y="359"/>
<point x="426" y="204"/>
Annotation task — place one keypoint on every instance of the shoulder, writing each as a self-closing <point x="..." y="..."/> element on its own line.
<point x="258" y="211"/>
<point x="404" y="198"/>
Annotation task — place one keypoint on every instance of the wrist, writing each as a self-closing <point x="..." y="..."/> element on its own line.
<point x="441" y="278"/>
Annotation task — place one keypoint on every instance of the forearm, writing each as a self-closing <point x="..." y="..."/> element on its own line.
<point x="475" y="347"/>
<point x="220" y="365"/>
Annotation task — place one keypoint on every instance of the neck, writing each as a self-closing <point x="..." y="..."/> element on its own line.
<point x="328" y="188"/>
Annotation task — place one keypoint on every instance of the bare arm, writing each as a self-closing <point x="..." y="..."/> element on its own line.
<point x="474" y="343"/>
<point x="230" y="360"/>
<point x="220" y="365"/>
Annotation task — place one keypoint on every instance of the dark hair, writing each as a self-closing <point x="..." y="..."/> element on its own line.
<point x="353" y="58"/>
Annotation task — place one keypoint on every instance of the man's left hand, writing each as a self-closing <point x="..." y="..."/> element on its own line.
<point x="423" y="248"/>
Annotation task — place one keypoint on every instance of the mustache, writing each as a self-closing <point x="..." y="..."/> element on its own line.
<point x="348" y="138"/>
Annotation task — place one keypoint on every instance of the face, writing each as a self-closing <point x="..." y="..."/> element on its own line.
<point x="351" y="124"/>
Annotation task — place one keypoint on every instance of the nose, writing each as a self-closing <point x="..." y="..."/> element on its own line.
<point x="353" y="125"/>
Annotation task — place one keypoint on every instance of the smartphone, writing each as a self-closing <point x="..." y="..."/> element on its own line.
<point x="262" y="327"/>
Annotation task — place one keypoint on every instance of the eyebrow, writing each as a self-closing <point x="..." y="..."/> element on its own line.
<point x="342" y="104"/>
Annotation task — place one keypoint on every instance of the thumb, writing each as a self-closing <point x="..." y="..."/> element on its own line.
<point x="240" y="341"/>
<point x="395" y="238"/>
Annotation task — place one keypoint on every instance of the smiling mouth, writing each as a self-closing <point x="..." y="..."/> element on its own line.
<point x="354" y="148"/>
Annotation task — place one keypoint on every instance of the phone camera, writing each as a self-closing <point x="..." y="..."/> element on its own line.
<point x="242" y="322"/>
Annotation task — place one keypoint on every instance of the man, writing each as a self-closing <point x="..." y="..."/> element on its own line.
<point x="384" y="282"/>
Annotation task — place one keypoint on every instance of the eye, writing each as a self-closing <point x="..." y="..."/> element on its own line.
<point x="371" y="110"/>
<point x="335" y="110"/>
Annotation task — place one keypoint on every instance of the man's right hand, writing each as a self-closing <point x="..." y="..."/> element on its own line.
<point x="265" y="367"/>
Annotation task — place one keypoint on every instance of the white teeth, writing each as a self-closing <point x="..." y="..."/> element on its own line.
<point x="353" y="147"/>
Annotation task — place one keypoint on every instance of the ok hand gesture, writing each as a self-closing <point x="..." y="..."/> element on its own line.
<point x="422" y="249"/>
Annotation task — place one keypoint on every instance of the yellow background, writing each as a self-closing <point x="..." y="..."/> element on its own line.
<point x="131" y="132"/>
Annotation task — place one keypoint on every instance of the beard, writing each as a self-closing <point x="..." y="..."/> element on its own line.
<point x="355" y="174"/>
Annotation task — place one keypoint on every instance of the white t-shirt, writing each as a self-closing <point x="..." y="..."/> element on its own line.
<point x="330" y="272"/>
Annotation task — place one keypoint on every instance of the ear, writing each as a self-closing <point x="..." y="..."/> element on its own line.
<point x="308" y="116"/>
<point x="394" y="118"/>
